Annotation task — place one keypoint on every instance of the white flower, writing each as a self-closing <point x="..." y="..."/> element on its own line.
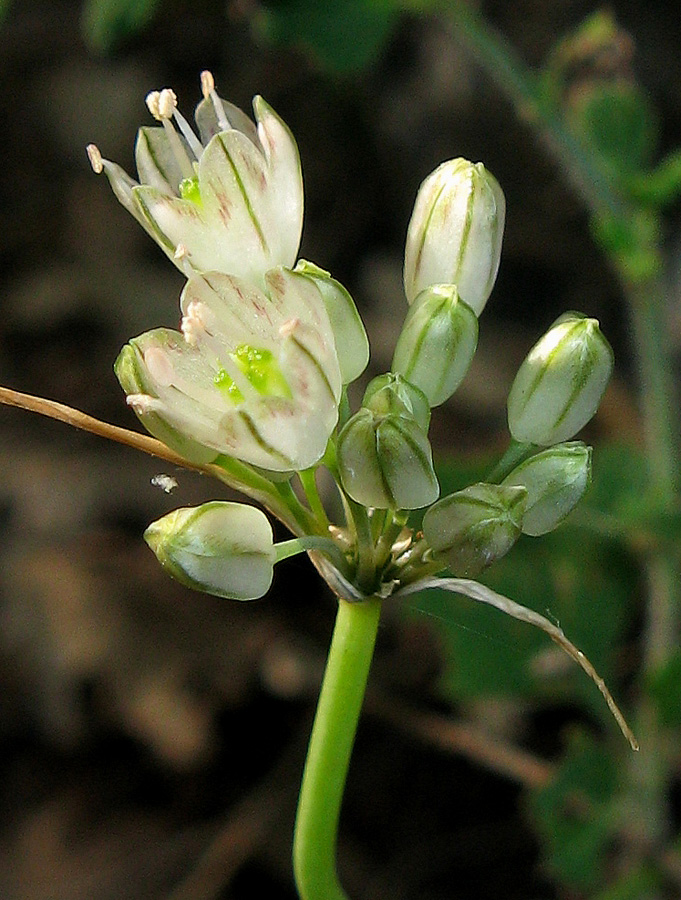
<point x="228" y="201"/>
<point x="253" y="375"/>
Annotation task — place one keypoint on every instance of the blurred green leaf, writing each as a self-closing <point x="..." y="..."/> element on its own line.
<point x="343" y="37"/>
<point x="106" y="23"/>
<point x="618" y="122"/>
<point x="634" y="885"/>
<point x="665" y="689"/>
<point x="658" y="186"/>
<point x="574" y="814"/>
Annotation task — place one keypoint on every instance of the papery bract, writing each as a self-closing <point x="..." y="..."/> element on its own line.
<point x="253" y="375"/>
<point x="231" y="201"/>
<point x="225" y="549"/>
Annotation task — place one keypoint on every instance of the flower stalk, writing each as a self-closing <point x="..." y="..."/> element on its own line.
<point x="328" y="758"/>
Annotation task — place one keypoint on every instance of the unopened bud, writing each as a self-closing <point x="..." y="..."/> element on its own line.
<point x="455" y="232"/>
<point x="390" y="393"/>
<point x="224" y="549"/>
<point x="385" y="461"/>
<point x="472" y="528"/>
<point x="437" y="343"/>
<point x="560" y="383"/>
<point x="555" y="481"/>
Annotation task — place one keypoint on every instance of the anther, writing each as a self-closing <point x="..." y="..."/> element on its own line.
<point x="151" y="100"/>
<point x="162" y="106"/>
<point x="207" y="83"/>
<point x="95" y="158"/>
<point x="159" y="366"/>
<point x="289" y="326"/>
<point x="209" y="93"/>
<point x="167" y="103"/>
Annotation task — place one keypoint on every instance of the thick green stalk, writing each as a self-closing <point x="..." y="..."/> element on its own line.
<point x="328" y="756"/>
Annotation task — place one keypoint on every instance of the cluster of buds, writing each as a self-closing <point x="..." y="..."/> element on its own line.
<point x="254" y="384"/>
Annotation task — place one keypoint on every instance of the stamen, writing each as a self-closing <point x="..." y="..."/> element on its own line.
<point x="143" y="403"/>
<point x="95" y="158"/>
<point x="194" y="143"/>
<point x="208" y="89"/>
<point x="207" y="83"/>
<point x="162" y="106"/>
<point x="181" y="254"/>
<point x="193" y="324"/>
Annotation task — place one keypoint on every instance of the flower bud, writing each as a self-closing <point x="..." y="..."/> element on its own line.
<point x="437" y="343"/>
<point x="472" y="528"/>
<point x="352" y="344"/>
<point x="224" y="549"/>
<point x="455" y="233"/>
<point x="559" y="385"/>
<point x="555" y="481"/>
<point x="390" y="393"/>
<point x="385" y="461"/>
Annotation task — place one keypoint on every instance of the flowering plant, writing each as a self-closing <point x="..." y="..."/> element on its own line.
<point x="252" y="389"/>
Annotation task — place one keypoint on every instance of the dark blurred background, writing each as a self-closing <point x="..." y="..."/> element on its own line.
<point x="151" y="739"/>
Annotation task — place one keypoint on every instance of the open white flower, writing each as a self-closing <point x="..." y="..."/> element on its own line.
<point x="229" y="200"/>
<point x="253" y="375"/>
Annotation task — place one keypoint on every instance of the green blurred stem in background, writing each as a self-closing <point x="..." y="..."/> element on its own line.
<point x="644" y="294"/>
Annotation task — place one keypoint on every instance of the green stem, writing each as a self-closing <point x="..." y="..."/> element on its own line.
<point x="514" y="455"/>
<point x="521" y="85"/>
<point x="366" y="563"/>
<point x="308" y="479"/>
<point x="328" y="756"/>
<point x="659" y="405"/>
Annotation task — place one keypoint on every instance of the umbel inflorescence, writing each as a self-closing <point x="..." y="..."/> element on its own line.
<point x="253" y="385"/>
<point x="268" y="343"/>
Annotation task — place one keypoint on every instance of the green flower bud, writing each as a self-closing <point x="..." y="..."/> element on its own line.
<point x="472" y="528"/>
<point x="560" y="383"/>
<point x="437" y="343"/>
<point x="352" y="344"/>
<point x="455" y="233"/>
<point x="390" y="393"/>
<point x="225" y="549"/>
<point x="385" y="461"/>
<point x="555" y="481"/>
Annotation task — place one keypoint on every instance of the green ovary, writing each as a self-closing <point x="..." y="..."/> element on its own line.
<point x="261" y="369"/>
<point x="189" y="190"/>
